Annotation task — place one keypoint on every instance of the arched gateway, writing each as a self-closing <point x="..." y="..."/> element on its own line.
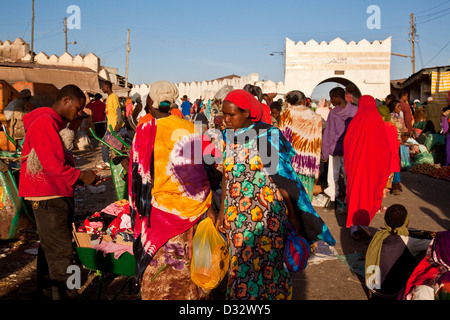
<point x="366" y="65"/>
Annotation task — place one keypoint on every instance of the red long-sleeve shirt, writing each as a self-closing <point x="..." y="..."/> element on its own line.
<point x="407" y="115"/>
<point x="59" y="174"/>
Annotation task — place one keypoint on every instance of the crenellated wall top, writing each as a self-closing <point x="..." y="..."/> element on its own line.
<point x="19" y="51"/>
<point x="338" y="45"/>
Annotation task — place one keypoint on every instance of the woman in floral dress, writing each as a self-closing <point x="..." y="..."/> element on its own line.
<point x="255" y="204"/>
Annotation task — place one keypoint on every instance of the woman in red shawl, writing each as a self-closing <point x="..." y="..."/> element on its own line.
<point x="367" y="160"/>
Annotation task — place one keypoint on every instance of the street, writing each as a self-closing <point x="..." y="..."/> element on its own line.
<point x="328" y="275"/>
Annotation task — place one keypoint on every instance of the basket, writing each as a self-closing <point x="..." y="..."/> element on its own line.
<point x="120" y="240"/>
<point x="83" y="239"/>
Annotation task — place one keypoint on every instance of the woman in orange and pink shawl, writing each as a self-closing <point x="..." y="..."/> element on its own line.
<point x="169" y="193"/>
<point x="367" y="160"/>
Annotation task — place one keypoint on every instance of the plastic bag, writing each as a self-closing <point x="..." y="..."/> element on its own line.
<point x="423" y="157"/>
<point x="405" y="162"/>
<point x="320" y="200"/>
<point x="296" y="251"/>
<point x="432" y="140"/>
<point x="211" y="257"/>
<point x="112" y="141"/>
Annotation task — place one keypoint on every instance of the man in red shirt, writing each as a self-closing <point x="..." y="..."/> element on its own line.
<point x="406" y="109"/>
<point x="50" y="188"/>
<point x="98" y="115"/>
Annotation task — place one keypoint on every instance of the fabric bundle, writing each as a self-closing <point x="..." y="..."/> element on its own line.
<point x="296" y="251"/>
<point x="433" y="272"/>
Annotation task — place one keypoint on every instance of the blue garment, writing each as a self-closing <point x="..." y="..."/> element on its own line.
<point x="186" y="108"/>
<point x="396" y="177"/>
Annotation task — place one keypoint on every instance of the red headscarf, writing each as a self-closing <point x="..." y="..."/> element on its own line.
<point x="367" y="159"/>
<point x="246" y="101"/>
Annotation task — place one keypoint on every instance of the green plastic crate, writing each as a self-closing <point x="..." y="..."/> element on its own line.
<point x="96" y="260"/>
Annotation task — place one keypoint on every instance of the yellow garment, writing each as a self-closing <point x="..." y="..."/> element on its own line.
<point x="169" y="194"/>
<point x="112" y="103"/>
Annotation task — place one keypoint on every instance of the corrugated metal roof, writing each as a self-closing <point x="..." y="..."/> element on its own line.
<point x="59" y="76"/>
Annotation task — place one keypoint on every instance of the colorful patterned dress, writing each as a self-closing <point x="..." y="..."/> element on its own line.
<point x="254" y="216"/>
<point x="258" y="163"/>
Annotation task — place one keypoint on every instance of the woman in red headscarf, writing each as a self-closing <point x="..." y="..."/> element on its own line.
<point x="261" y="193"/>
<point x="367" y="159"/>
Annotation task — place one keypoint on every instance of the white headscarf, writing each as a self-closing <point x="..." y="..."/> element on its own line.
<point x="163" y="91"/>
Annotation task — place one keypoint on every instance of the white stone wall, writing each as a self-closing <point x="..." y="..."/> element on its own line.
<point x="19" y="51"/>
<point x="207" y="89"/>
<point x="90" y="61"/>
<point x="13" y="51"/>
<point x="365" y="64"/>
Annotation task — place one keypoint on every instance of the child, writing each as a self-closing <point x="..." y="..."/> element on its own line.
<point x="392" y="255"/>
<point x="275" y="111"/>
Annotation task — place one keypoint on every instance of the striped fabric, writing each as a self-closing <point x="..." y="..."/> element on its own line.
<point x="302" y="127"/>
<point x="440" y="86"/>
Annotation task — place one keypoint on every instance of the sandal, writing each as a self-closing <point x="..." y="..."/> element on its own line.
<point x="102" y="166"/>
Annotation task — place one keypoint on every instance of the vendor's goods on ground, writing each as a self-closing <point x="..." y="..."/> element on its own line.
<point x="432" y="170"/>
<point x="108" y="230"/>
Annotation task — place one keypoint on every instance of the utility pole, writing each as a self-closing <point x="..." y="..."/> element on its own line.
<point x="32" y="34"/>
<point x="128" y="57"/>
<point x="65" y="32"/>
<point x="412" y="35"/>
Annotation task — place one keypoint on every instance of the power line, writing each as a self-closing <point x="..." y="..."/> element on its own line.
<point x="433" y="7"/>
<point x="442" y="49"/>
<point x="442" y="14"/>
<point x="420" y="54"/>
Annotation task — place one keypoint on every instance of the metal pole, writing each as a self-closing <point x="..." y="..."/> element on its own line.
<point x="128" y="57"/>
<point x="413" y="33"/>
<point x="65" y="32"/>
<point x="32" y="34"/>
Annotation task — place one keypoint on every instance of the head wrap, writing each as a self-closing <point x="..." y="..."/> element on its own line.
<point x="162" y="91"/>
<point x="222" y="93"/>
<point x="246" y="101"/>
<point x="417" y="105"/>
<point x="385" y="113"/>
<point x="25" y="94"/>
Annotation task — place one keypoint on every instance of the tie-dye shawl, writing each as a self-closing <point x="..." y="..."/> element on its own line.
<point x="302" y="127"/>
<point x="168" y="187"/>
<point x="271" y="141"/>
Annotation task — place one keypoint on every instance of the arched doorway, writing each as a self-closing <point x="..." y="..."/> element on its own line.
<point x="323" y="88"/>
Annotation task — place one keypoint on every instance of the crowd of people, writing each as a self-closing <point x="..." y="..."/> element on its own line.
<point x="250" y="163"/>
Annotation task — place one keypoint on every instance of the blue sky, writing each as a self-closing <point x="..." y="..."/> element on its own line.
<point x="203" y="40"/>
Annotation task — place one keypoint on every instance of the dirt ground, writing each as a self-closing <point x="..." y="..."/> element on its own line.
<point x="426" y="199"/>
